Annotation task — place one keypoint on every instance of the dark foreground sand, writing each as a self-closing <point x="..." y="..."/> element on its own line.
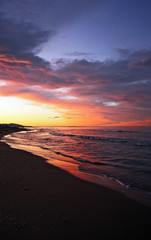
<point x="40" y="201"/>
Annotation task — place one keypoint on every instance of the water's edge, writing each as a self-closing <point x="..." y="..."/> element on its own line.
<point x="140" y="196"/>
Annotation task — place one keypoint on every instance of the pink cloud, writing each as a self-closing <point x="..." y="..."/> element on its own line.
<point x="120" y="93"/>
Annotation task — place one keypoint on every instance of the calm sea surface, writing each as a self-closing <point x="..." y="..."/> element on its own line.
<point x="121" y="155"/>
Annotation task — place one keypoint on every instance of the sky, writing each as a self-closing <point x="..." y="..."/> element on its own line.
<point x="75" y="62"/>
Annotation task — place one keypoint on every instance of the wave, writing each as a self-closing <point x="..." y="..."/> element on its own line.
<point x="106" y="176"/>
<point x="114" y="130"/>
<point x="131" y="185"/>
<point x="133" y="141"/>
<point x="80" y="159"/>
<point x="95" y="163"/>
<point x="114" y="165"/>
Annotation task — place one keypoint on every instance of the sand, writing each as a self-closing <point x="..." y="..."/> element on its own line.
<point x="41" y="201"/>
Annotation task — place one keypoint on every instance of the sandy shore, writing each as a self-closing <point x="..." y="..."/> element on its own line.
<point x="40" y="201"/>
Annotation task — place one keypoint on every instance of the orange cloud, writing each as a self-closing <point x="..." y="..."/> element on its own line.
<point x="96" y="90"/>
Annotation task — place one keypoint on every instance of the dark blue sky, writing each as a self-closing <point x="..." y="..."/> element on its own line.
<point x="110" y="25"/>
<point x="94" y="27"/>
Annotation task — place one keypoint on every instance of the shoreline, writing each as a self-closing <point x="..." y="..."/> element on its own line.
<point x="143" y="197"/>
<point x="39" y="200"/>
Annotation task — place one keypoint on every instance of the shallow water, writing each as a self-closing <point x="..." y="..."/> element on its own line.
<point x="122" y="155"/>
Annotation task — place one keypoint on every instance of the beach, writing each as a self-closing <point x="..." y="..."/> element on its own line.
<point x="41" y="201"/>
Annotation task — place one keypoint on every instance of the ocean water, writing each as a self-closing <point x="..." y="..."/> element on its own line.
<point x="116" y="154"/>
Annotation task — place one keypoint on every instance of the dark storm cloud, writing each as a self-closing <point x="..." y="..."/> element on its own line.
<point x="126" y="81"/>
<point x="50" y="14"/>
<point x="26" y="25"/>
<point x="78" y="54"/>
<point x="20" y="37"/>
<point x="107" y="74"/>
<point x="134" y="67"/>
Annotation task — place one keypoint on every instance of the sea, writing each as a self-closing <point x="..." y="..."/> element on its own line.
<point x="115" y="157"/>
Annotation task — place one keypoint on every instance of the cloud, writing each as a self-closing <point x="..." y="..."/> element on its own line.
<point x="113" y="90"/>
<point x="122" y="84"/>
<point x="55" y="117"/>
<point x="79" y="54"/>
<point x="19" y="42"/>
<point x="20" y="38"/>
<point x="48" y="14"/>
<point x="119" y="90"/>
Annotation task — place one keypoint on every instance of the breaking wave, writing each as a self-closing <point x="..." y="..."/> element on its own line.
<point x="133" y="141"/>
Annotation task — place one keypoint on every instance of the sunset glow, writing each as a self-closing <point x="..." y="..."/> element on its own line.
<point x="61" y="71"/>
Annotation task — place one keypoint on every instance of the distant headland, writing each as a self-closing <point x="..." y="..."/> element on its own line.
<point x="10" y="127"/>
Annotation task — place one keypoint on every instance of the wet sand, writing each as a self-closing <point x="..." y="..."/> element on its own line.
<point x="41" y="201"/>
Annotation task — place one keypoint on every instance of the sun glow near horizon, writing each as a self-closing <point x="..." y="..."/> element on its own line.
<point x="32" y="113"/>
<point x="29" y="113"/>
<point x="24" y="112"/>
